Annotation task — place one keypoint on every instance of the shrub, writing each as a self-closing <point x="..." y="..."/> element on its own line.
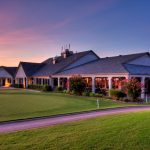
<point x="36" y="87"/>
<point x="77" y="84"/>
<point x="18" y="85"/>
<point x="59" y="89"/>
<point x="86" y="94"/>
<point x="98" y="95"/>
<point x="117" y="94"/>
<point x="67" y="92"/>
<point x="101" y="91"/>
<point x="92" y="94"/>
<point x="132" y="88"/>
<point x="47" y="88"/>
<point x="95" y="94"/>
<point x="72" y="92"/>
<point x="64" y="91"/>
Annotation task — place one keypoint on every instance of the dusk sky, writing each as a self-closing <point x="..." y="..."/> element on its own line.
<point x="34" y="30"/>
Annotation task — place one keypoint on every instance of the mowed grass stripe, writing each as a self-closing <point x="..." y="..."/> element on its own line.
<point x="117" y="132"/>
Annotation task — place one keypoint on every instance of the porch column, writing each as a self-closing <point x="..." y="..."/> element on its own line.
<point x="58" y="81"/>
<point x="0" y="81"/>
<point x="16" y="81"/>
<point x="109" y="83"/>
<point x="52" y="82"/>
<point x="68" y="83"/>
<point x="93" y="84"/>
<point x="143" y="87"/>
<point x="26" y="82"/>
<point x="23" y="83"/>
<point x="34" y="81"/>
<point x="41" y="81"/>
<point x="11" y="81"/>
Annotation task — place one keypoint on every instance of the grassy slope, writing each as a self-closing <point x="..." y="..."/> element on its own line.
<point x="117" y="132"/>
<point x="17" y="105"/>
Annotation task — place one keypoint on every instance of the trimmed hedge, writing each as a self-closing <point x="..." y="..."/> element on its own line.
<point x="117" y="94"/>
<point x="36" y="87"/>
<point x="47" y="88"/>
<point x="59" y="89"/>
<point x="18" y="85"/>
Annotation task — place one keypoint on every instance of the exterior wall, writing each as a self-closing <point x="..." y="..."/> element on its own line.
<point x="88" y="58"/>
<point x="144" y="60"/>
<point x="20" y="73"/>
<point x="4" y="73"/>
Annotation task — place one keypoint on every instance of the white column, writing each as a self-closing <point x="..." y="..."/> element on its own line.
<point x="58" y="81"/>
<point x="52" y="82"/>
<point x="12" y="81"/>
<point x="143" y="87"/>
<point x="68" y="83"/>
<point x="41" y="81"/>
<point x="109" y="83"/>
<point x="93" y="84"/>
<point x="23" y="83"/>
<point x="26" y="82"/>
<point x="34" y="81"/>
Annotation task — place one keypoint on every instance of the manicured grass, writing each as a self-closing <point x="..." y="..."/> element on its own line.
<point x="117" y="132"/>
<point x="22" y="104"/>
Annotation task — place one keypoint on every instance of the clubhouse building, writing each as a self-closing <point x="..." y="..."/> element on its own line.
<point x="104" y="73"/>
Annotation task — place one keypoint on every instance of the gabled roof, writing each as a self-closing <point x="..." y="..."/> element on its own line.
<point x="49" y="68"/>
<point x="30" y="68"/>
<point x="137" y="69"/>
<point x="106" y="65"/>
<point x="10" y="70"/>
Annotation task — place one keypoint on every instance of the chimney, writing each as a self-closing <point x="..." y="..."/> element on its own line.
<point x="66" y="52"/>
<point x="54" y="60"/>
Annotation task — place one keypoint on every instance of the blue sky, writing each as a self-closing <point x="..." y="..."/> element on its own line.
<point x="33" y="30"/>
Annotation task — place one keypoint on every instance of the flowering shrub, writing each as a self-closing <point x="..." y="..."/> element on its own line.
<point x="77" y="84"/>
<point x="132" y="88"/>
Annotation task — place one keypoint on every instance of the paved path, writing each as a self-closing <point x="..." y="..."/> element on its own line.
<point x="13" y="126"/>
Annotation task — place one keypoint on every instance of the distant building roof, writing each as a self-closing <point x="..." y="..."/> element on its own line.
<point x="30" y="68"/>
<point x="10" y="70"/>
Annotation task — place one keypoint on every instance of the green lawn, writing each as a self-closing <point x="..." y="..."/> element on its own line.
<point x="22" y="104"/>
<point x="117" y="132"/>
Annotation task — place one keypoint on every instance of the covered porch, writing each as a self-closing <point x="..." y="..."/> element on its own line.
<point x="94" y="83"/>
<point x="6" y="82"/>
<point x="99" y="83"/>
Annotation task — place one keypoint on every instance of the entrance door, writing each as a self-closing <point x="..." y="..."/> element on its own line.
<point x="3" y="82"/>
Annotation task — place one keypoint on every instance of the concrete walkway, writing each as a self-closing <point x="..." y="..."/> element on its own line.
<point x="3" y="88"/>
<point x="13" y="126"/>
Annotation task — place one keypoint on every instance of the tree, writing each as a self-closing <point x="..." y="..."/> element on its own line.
<point x="77" y="84"/>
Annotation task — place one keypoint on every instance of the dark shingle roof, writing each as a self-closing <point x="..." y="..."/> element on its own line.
<point x="10" y="70"/>
<point x="137" y="69"/>
<point x="62" y="63"/>
<point x="105" y="65"/>
<point x="30" y="68"/>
